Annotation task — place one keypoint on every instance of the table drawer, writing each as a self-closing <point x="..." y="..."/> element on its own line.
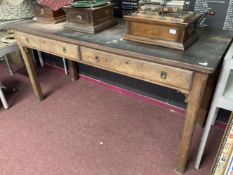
<point x="59" y="48"/>
<point x="151" y="72"/>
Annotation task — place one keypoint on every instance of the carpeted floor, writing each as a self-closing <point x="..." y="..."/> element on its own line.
<point x="84" y="129"/>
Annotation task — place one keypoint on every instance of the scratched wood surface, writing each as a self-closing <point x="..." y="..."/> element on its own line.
<point x="204" y="55"/>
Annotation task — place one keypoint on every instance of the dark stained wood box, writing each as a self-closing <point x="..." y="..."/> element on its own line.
<point x="90" y="20"/>
<point x="163" y="32"/>
<point x="45" y="14"/>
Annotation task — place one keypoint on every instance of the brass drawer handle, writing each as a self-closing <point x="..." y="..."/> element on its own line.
<point x="97" y="59"/>
<point x="106" y="11"/>
<point x="64" y="50"/>
<point x="79" y="17"/>
<point x="163" y="75"/>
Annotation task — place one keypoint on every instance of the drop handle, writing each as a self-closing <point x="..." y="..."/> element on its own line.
<point x="97" y="59"/>
<point x="163" y="75"/>
<point x="64" y="49"/>
<point x="79" y="17"/>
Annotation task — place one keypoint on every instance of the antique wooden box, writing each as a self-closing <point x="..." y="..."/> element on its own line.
<point x="162" y="31"/>
<point x="90" y="20"/>
<point x="166" y="23"/>
<point x="45" y="14"/>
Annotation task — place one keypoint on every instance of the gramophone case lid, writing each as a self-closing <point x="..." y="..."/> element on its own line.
<point x="14" y="2"/>
<point x="87" y="3"/>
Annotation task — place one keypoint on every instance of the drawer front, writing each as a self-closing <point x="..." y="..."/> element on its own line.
<point x="59" y="48"/>
<point x="151" y="72"/>
<point x="78" y="17"/>
<point x="29" y="40"/>
<point x="156" y="31"/>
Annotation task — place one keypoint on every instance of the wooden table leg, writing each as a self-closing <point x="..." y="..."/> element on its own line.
<point x="72" y="70"/>
<point x="31" y="72"/>
<point x="209" y="93"/>
<point x="194" y="101"/>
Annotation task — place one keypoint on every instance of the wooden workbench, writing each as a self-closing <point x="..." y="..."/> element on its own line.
<point x="186" y="71"/>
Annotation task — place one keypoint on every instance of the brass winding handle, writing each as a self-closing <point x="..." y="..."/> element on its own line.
<point x="204" y="15"/>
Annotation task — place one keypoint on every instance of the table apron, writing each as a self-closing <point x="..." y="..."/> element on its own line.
<point x="164" y="75"/>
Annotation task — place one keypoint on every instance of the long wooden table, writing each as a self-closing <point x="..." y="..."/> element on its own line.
<point x="185" y="71"/>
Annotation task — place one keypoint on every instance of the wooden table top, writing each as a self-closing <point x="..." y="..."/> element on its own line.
<point x="204" y="55"/>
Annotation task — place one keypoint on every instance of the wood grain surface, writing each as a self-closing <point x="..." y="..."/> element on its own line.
<point x="203" y="55"/>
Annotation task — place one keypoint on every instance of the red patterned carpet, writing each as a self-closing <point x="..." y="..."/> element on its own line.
<point x="84" y="129"/>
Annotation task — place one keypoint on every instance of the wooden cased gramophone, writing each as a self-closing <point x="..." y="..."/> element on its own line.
<point x="89" y="16"/>
<point x="46" y="14"/>
<point x="165" y="23"/>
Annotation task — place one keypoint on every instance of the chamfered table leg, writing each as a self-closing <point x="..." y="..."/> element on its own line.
<point x="193" y="106"/>
<point x="72" y="70"/>
<point x="209" y="93"/>
<point x="31" y="72"/>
